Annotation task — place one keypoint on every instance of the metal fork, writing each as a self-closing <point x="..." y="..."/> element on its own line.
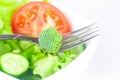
<point x="69" y="40"/>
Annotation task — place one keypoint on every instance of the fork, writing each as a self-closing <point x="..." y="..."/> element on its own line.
<point x="69" y="40"/>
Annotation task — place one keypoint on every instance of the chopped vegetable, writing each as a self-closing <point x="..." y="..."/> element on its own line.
<point x="1" y="24"/>
<point x="4" y="48"/>
<point x="33" y="49"/>
<point x="14" y="64"/>
<point x="28" y="52"/>
<point x="36" y="56"/>
<point x="7" y="9"/>
<point x="50" y="40"/>
<point x="45" y="0"/>
<point x="31" y="19"/>
<point x="12" y="2"/>
<point x="13" y="44"/>
<point x="44" y="66"/>
<point x="25" y="44"/>
<point x="69" y="55"/>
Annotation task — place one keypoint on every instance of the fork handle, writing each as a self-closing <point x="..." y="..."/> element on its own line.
<point x="7" y="36"/>
<point x="17" y="37"/>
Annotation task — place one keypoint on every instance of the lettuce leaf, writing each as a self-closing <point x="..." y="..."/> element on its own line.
<point x="44" y="66"/>
<point x="7" y="10"/>
<point x="45" y="0"/>
<point x="68" y="56"/>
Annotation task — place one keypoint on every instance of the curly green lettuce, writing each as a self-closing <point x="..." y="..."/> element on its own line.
<point x="7" y="9"/>
<point x="45" y="66"/>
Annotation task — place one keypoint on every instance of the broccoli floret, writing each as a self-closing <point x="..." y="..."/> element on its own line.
<point x="50" y="40"/>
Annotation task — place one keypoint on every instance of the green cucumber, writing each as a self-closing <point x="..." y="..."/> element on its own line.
<point x="14" y="64"/>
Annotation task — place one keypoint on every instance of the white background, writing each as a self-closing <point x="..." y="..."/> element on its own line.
<point x="105" y="64"/>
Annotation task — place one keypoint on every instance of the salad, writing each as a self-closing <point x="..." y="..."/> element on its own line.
<point x="40" y="19"/>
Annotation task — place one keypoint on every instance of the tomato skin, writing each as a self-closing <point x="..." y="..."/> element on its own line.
<point x="33" y="17"/>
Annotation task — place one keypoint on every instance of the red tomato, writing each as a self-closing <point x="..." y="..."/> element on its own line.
<point x="32" y="18"/>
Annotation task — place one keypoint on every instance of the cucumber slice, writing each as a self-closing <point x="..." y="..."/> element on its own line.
<point x="14" y="64"/>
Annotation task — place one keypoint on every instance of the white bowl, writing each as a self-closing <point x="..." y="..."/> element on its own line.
<point x="73" y="70"/>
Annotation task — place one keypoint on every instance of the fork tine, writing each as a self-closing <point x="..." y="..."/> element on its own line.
<point x="80" y="34"/>
<point x="77" y="44"/>
<point x="79" y="37"/>
<point x="77" y="40"/>
<point x="79" y="30"/>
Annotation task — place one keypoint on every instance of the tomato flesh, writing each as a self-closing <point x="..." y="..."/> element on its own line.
<point x="33" y="17"/>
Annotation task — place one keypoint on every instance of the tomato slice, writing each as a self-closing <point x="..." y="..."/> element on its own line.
<point x="33" y="17"/>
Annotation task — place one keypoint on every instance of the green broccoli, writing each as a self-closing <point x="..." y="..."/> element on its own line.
<point x="50" y="40"/>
